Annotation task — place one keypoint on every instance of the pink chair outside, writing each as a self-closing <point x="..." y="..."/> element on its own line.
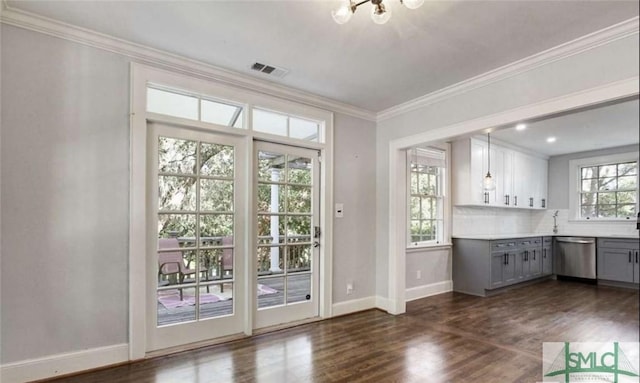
<point x="172" y="263"/>
<point x="227" y="259"/>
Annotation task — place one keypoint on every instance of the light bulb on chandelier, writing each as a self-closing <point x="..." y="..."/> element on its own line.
<point x="380" y="13"/>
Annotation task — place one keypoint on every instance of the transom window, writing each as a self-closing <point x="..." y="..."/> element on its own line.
<point x="426" y="196"/>
<point x="609" y="190"/>
<point x="284" y="125"/>
<point x="193" y="107"/>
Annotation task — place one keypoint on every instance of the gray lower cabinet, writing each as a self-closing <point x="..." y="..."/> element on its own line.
<point x="617" y="260"/>
<point x="483" y="265"/>
<point x="547" y="255"/>
<point x="530" y="258"/>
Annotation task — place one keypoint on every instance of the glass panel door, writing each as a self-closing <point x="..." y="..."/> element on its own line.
<point x="194" y="235"/>
<point x="287" y="222"/>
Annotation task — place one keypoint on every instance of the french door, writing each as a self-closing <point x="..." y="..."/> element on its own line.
<point x="195" y="284"/>
<point x="287" y="206"/>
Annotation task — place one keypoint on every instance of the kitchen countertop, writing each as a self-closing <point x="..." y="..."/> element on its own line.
<point x="495" y="237"/>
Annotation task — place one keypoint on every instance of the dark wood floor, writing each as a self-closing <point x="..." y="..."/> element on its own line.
<point x="451" y="337"/>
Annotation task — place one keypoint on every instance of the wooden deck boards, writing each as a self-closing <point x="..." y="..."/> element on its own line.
<point x="297" y="290"/>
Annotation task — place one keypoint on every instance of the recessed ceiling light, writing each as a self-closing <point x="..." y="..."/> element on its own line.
<point x="551" y="139"/>
<point x="521" y="127"/>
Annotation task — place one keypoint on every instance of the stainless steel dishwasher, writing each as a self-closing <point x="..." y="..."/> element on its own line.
<point x="575" y="257"/>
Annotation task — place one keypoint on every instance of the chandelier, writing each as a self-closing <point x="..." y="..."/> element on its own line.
<point x="379" y="13"/>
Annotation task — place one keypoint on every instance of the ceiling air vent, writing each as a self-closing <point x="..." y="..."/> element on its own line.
<point x="269" y="70"/>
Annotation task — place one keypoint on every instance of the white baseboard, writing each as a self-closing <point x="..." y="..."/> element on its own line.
<point x="382" y="303"/>
<point x="352" y="306"/>
<point x="62" y="364"/>
<point x="428" y="290"/>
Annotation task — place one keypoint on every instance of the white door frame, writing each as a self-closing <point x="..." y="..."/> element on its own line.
<point x="141" y="76"/>
<point x="397" y="174"/>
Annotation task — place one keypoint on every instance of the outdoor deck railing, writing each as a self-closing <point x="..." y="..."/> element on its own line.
<point x="298" y="254"/>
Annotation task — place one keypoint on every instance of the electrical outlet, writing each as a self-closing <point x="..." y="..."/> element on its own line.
<point x="349" y="288"/>
<point x="418" y="274"/>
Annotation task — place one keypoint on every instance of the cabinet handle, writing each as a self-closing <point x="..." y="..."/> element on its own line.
<point x="530" y="201"/>
<point x="486" y="197"/>
<point x="629" y="256"/>
<point x="515" y="200"/>
<point x="504" y="259"/>
<point x="544" y="253"/>
<point x="544" y="203"/>
<point x="636" y="257"/>
<point x="534" y="255"/>
<point x="506" y="199"/>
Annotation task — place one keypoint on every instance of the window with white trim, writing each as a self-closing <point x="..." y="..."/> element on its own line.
<point x="426" y="186"/>
<point x="609" y="190"/>
<point x="604" y="188"/>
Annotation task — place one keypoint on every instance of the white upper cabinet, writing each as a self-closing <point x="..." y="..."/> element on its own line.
<point x="520" y="178"/>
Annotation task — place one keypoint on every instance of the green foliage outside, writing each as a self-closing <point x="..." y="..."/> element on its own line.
<point x="195" y="175"/>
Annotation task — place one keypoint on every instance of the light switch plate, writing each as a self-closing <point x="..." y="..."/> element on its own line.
<point x="339" y="210"/>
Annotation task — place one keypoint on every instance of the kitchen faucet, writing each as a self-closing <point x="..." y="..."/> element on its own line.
<point x="555" y="223"/>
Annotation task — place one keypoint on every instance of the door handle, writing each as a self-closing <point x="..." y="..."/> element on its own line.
<point x="316" y="244"/>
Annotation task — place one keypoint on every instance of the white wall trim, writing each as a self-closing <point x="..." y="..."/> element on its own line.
<point x="574" y="47"/>
<point x="62" y="364"/>
<point x="396" y="182"/>
<point x="354" y="305"/>
<point x="166" y="60"/>
<point x="382" y="303"/>
<point x="424" y="291"/>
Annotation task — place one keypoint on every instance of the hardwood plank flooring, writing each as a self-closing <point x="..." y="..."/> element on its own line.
<point x="450" y="337"/>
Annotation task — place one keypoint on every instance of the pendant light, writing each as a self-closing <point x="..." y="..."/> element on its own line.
<point x="488" y="182"/>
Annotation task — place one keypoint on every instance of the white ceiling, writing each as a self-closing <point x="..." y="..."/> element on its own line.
<point x="359" y="63"/>
<point x="604" y="127"/>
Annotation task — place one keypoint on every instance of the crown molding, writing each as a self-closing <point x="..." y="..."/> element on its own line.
<point x="166" y="60"/>
<point x="559" y="52"/>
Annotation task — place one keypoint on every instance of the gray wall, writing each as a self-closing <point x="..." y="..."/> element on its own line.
<point x="559" y="173"/>
<point x="355" y="187"/>
<point x="433" y="265"/>
<point x="65" y="198"/>
<point x="603" y="64"/>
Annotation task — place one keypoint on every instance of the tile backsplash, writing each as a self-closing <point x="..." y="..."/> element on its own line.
<point x="542" y="222"/>
<point x="470" y="220"/>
